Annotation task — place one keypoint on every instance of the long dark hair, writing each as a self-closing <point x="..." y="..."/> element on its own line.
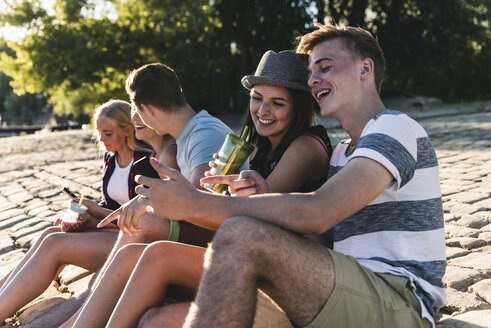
<point x="302" y="118"/>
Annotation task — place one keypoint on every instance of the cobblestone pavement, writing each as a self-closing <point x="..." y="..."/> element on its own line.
<point x="35" y="168"/>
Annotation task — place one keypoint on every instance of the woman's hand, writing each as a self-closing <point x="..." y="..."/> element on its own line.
<point x="75" y="226"/>
<point x="91" y="205"/>
<point x="246" y="183"/>
<point x="212" y="164"/>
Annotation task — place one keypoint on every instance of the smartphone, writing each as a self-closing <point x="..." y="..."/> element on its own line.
<point x="143" y="167"/>
<point x="70" y="194"/>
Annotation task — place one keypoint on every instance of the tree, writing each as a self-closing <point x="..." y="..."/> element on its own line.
<point x="432" y="47"/>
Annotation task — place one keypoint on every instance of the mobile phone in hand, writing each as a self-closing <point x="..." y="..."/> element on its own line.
<point x="143" y="167"/>
<point x="70" y="194"/>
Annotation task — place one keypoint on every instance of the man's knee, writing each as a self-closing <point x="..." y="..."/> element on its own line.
<point x="241" y="235"/>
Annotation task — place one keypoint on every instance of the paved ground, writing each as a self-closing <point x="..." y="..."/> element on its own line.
<point x="34" y="168"/>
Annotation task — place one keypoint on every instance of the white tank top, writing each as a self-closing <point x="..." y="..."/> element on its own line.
<point x="117" y="188"/>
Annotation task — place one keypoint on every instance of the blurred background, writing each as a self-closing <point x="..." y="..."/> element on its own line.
<point x="59" y="59"/>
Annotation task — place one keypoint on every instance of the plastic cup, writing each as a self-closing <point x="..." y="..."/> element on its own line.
<point x="73" y="212"/>
<point x="233" y="154"/>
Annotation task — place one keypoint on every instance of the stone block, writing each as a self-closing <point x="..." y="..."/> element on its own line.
<point x="471" y="319"/>
<point x="465" y="242"/>
<point x="20" y="197"/>
<point x="28" y="240"/>
<point x="460" y="209"/>
<point x="10" y="213"/>
<point x="483" y="289"/>
<point x="453" y="252"/>
<point x="72" y="273"/>
<point x="452" y="231"/>
<point x="41" y="225"/>
<point x="41" y="305"/>
<point x="449" y="217"/>
<point x="476" y="261"/>
<point x="35" y="211"/>
<point x="6" y="244"/>
<point x="469" y="197"/>
<point x="486" y="228"/>
<point x="460" y="278"/>
<point x="462" y="302"/>
<point x="486" y="236"/>
<point x="79" y="285"/>
<point x="472" y="221"/>
<point x="25" y="224"/>
<point x="5" y="224"/>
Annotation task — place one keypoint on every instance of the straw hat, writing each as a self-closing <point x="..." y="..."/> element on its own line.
<point x="280" y="69"/>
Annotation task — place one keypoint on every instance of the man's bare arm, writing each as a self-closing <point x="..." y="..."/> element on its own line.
<point x="351" y="189"/>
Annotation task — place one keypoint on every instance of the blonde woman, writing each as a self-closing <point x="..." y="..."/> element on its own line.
<point x="89" y="250"/>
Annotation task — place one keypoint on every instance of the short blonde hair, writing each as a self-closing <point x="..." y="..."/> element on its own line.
<point x="120" y="112"/>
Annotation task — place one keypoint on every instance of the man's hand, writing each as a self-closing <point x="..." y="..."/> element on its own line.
<point x="128" y="216"/>
<point x="170" y="197"/>
<point x="244" y="184"/>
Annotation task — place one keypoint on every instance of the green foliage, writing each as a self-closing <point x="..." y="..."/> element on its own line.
<point x="434" y="48"/>
<point x="80" y="59"/>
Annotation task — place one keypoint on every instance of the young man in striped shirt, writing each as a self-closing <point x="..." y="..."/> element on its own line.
<point x="382" y="199"/>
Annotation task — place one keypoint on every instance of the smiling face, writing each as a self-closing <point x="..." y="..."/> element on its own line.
<point x="272" y="111"/>
<point x="112" y="136"/>
<point x="333" y="77"/>
<point x="142" y="131"/>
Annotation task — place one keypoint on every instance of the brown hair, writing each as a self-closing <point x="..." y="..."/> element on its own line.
<point x="155" y="84"/>
<point x="360" y="42"/>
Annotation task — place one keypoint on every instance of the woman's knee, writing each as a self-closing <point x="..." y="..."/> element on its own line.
<point x="128" y="254"/>
<point x="54" y="240"/>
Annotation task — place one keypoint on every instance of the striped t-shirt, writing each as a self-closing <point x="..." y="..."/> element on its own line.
<point x="401" y="231"/>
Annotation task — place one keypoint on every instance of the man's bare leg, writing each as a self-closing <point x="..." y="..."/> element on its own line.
<point x="297" y="273"/>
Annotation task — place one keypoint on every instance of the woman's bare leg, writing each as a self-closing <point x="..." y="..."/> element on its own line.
<point x="87" y="250"/>
<point x="100" y="304"/>
<point x="5" y="280"/>
<point x="162" y="264"/>
<point x="169" y="316"/>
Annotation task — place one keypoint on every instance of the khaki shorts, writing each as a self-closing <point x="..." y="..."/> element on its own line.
<point x="362" y="298"/>
<point x="268" y="314"/>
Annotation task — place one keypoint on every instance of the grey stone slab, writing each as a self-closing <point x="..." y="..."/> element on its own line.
<point x="485" y="204"/>
<point x="20" y="197"/>
<point x="452" y="231"/>
<point x="25" y="224"/>
<point x="35" y="211"/>
<point x="41" y="225"/>
<point x="471" y="319"/>
<point x="72" y="273"/>
<point x="5" y="224"/>
<point x="460" y="278"/>
<point x="463" y="302"/>
<point x="486" y="236"/>
<point x="11" y="213"/>
<point x="472" y="221"/>
<point x="6" y="245"/>
<point x="453" y="252"/>
<point x="476" y="260"/>
<point x="465" y="242"/>
<point x="461" y="209"/>
<point x="482" y="289"/>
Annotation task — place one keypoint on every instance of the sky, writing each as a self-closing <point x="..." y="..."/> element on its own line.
<point x="16" y="33"/>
